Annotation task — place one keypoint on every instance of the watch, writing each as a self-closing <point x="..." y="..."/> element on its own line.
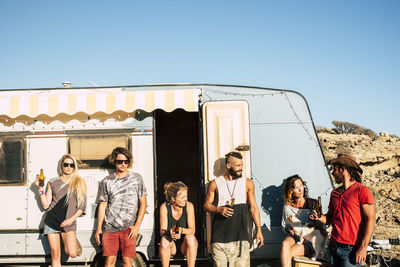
<point x="41" y="192"/>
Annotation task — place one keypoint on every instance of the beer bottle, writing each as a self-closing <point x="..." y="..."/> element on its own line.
<point x="41" y="178"/>
<point x="176" y="228"/>
<point x="319" y="207"/>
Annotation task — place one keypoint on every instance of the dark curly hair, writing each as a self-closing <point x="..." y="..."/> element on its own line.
<point x="232" y="154"/>
<point x="353" y="172"/>
<point x="288" y="188"/>
<point x="123" y="151"/>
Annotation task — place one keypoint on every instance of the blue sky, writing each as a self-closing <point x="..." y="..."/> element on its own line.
<point x="343" y="56"/>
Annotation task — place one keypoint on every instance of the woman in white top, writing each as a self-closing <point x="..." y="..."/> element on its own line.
<point x="297" y="203"/>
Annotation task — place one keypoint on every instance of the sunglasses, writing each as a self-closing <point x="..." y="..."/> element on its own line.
<point x="65" y="165"/>
<point x="120" y="161"/>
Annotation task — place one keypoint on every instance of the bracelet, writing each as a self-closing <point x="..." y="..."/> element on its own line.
<point x="41" y="192"/>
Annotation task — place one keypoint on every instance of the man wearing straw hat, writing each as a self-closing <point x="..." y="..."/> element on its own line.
<point x="351" y="212"/>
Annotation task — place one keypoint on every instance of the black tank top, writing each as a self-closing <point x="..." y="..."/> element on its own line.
<point x="57" y="215"/>
<point x="234" y="228"/>
<point x="172" y="222"/>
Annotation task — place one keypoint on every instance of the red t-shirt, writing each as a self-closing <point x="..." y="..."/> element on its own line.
<point x="345" y="208"/>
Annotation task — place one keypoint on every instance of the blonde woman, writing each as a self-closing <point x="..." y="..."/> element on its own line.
<point x="177" y="225"/>
<point x="65" y="201"/>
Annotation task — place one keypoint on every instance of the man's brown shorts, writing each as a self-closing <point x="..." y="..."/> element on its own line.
<point x="111" y="244"/>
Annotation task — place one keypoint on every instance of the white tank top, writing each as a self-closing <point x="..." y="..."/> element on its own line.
<point x="228" y="189"/>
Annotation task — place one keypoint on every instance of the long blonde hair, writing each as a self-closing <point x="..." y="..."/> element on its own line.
<point x="76" y="183"/>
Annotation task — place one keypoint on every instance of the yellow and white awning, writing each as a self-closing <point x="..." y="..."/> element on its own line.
<point x="63" y="104"/>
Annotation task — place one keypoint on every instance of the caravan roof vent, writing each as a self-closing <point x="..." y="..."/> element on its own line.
<point x="66" y="84"/>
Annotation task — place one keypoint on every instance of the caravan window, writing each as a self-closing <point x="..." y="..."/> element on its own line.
<point x="11" y="161"/>
<point x="92" y="150"/>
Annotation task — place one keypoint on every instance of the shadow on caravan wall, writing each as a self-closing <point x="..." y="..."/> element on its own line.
<point x="219" y="167"/>
<point x="272" y="203"/>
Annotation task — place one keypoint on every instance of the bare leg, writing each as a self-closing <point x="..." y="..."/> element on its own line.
<point x="189" y="248"/>
<point x="110" y="261"/>
<point x="167" y="248"/>
<point x="70" y="244"/>
<point x="127" y="261"/>
<point x="290" y="249"/>
<point x="55" y="247"/>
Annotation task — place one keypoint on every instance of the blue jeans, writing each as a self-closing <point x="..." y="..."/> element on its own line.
<point x="343" y="256"/>
<point x="48" y="230"/>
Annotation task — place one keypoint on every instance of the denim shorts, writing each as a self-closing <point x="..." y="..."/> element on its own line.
<point x="48" y="230"/>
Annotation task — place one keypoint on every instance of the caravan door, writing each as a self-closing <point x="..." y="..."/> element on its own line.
<point x="225" y="128"/>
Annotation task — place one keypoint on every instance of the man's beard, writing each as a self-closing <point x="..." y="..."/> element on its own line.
<point x="234" y="174"/>
<point x="339" y="178"/>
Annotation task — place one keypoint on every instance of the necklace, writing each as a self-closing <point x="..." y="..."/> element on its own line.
<point x="231" y="194"/>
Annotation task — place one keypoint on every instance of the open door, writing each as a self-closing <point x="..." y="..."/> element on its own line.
<point x="225" y="127"/>
<point x="177" y="158"/>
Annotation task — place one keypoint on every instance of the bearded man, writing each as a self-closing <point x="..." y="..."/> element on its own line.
<point x="351" y="213"/>
<point x="229" y="241"/>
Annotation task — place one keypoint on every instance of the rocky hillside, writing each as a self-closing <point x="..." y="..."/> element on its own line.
<point x="379" y="157"/>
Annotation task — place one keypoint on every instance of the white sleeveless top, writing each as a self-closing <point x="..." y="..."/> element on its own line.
<point x="237" y="191"/>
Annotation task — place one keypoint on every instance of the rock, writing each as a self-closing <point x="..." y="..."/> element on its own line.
<point x="380" y="160"/>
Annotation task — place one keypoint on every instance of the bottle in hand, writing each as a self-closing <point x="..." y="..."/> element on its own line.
<point x="41" y="178"/>
<point x="319" y="207"/>
<point x="176" y="228"/>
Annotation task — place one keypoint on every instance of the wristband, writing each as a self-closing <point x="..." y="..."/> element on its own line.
<point x="41" y="192"/>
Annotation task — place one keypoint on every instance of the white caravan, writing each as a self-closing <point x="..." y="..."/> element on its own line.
<point x="175" y="132"/>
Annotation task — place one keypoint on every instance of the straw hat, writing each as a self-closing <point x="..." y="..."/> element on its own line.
<point x="345" y="160"/>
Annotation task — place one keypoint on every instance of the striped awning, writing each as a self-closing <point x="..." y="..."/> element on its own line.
<point x="64" y="104"/>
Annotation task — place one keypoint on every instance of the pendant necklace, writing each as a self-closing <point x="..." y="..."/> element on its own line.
<point x="231" y="194"/>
